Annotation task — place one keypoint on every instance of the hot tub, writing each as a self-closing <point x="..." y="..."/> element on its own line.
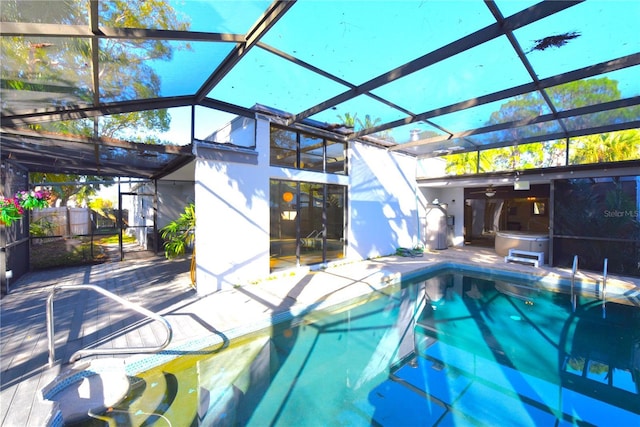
<point x="523" y="240"/>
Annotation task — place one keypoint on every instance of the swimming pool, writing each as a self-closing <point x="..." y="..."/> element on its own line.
<point x="453" y="349"/>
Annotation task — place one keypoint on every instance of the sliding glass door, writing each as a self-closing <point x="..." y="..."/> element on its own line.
<point x="311" y="223"/>
<point x="307" y="223"/>
<point x="334" y="213"/>
<point x="284" y="217"/>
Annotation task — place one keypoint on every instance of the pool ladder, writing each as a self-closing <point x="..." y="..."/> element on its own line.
<point x="604" y="288"/>
<point x="96" y="351"/>
<point x="573" y="281"/>
<point x="603" y="294"/>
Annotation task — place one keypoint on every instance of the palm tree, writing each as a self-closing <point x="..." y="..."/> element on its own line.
<point x="180" y="234"/>
<point x="607" y="147"/>
<point x="348" y="120"/>
<point x="368" y="122"/>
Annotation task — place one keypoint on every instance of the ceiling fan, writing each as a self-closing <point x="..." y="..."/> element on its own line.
<point x="490" y="191"/>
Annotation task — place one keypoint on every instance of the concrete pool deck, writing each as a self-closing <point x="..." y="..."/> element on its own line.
<point x="163" y="286"/>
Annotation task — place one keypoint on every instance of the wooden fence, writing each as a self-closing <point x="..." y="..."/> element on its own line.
<point x="65" y="221"/>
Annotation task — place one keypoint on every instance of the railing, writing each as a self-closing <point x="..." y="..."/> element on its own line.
<point x="604" y="285"/>
<point x="604" y="288"/>
<point x="96" y="351"/>
<point x="573" y="280"/>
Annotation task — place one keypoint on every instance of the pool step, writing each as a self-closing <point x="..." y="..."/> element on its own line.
<point x="86" y="388"/>
<point x="207" y="390"/>
<point x="525" y="257"/>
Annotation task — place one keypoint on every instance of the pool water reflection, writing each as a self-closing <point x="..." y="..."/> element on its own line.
<point x="446" y="350"/>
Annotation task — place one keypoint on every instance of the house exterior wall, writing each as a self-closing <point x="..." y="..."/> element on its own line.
<point x="454" y="198"/>
<point x="239" y="132"/>
<point x="173" y="196"/>
<point x="384" y="207"/>
<point x="232" y="213"/>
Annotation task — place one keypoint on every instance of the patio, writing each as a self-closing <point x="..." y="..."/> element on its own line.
<point x="164" y="287"/>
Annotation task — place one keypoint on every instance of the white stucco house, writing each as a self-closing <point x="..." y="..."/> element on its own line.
<point x="256" y="217"/>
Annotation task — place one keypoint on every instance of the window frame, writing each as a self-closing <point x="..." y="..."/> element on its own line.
<point x="301" y="156"/>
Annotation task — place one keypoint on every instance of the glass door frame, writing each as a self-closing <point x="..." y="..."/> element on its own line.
<point x="299" y="216"/>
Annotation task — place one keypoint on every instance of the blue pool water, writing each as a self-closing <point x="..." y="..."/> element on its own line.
<point x="447" y="350"/>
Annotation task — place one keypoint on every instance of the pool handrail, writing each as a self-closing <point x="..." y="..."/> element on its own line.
<point x="604" y="288"/>
<point x="573" y="279"/>
<point x="96" y="351"/>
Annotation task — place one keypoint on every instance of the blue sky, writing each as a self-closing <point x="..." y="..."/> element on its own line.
<point x="358" y="40"/>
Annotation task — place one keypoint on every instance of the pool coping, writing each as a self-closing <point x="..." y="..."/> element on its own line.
<point x="549" y="280"/>
<point x="165" y="285"/>
<point x="388" y="280"/>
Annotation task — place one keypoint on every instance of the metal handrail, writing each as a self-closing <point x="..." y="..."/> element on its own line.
<point x="125" y="350"/>
<point x="604" y="288"/>
<point x="573" y="279"/>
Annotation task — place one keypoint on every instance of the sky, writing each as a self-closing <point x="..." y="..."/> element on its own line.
<point x="358" y="40"/>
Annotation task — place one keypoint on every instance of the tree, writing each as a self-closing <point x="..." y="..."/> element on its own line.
<point x="607" y="147"/>
<point x="523" y="156"/>
<point x="351" y="120"/>
<point x="368" y="122"/>
<point x="100" y="204"/>
<point x="61" y="188"/>
<point x="462" y="163"/>
<point x="60" y="68"/>
<point x="564" y="97"/>
<point x="348" y="120"/>
<point x="180" y="234"/>
<point x="553" y="153"/>
<point x="467" y="163"/>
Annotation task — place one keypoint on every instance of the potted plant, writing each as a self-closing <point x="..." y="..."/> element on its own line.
<point x="11" y="209"/>
<point x="179" y="234"/>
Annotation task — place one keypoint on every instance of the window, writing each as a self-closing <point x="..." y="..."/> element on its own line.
<point x="336" y="155"/>
<point x="539" y="208"/>
<point x="311" y="153"/>
<point x="284" y="148"/>
<point x="305" y="151"/>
